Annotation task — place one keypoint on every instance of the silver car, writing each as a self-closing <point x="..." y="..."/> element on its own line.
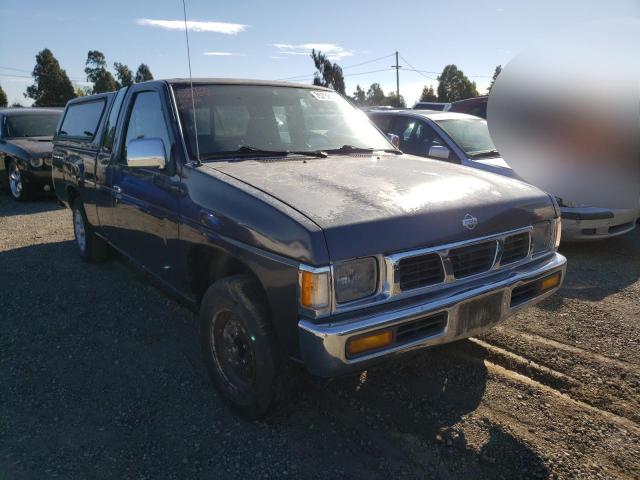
<point x="465" y="139"/>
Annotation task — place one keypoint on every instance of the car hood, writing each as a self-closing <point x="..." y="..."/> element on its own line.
<point x="34" y="146"/>
<point x="369" y="204"/>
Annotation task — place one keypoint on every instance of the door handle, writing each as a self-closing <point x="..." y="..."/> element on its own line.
<point x="117" y="189"/>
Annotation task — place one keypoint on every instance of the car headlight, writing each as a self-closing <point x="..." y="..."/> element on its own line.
<point x="355" y="279"/>
<point x="546" y="235"/>
<point x="36" y="162"/>
<point x="567" y="204"/>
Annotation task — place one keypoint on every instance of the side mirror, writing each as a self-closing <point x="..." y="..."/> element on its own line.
<point x="146" y="153"/>
<point x="440" y="152"/>
<point x="394" y="139"/>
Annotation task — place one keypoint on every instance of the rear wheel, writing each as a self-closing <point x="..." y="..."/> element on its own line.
<point x="92" y="249"/>
<point x="239" y="346"/>
<point x="18" y="189"/>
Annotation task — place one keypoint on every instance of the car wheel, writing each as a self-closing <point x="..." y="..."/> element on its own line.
<point x="18" y="188"/>
<point x="92" y="248"/>
<point x="239" y="346"/>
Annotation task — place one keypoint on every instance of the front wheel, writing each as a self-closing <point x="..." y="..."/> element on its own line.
<point x="92" y="249"/>
<point x="239" y="346"/>
<point x="18" y="188"/>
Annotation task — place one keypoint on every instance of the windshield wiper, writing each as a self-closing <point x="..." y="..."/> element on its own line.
<point x="249" y="150"/>
<point x="485" y="153"/>
<point x="352" y="149"/>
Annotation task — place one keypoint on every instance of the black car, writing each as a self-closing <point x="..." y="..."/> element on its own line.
<point x="25" y="149"/>
<point x="295" y="228"/>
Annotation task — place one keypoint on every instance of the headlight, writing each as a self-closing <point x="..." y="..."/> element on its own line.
<point x="314" y="288"/>
<point x="568" y="204"/>
<point x="355" y="279"/>
<point x="546" y="235"/>
<point x="36" y="162"/>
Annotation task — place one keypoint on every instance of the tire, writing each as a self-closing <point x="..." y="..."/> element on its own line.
<point x="239" y="346"/>
<point x="18" y="188"/>
<point x="92" y="249"/>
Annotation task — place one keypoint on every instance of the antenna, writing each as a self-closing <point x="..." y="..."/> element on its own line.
<point x="193" y="102"/>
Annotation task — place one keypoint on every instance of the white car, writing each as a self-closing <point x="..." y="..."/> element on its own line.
<point x="464" y="139"/>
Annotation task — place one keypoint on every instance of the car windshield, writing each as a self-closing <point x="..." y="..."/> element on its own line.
<point x="31" y="125"/>
<point x="471" y="135"/>
<point x="248" y="119"/>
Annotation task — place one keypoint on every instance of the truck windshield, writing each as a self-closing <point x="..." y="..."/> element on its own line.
<point x="31" y="125"/>
<point x="470" y="134"/>
<point x="253" y="118"/>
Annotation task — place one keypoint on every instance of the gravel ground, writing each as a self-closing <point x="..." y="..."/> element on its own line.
<point x="101" y="377"/>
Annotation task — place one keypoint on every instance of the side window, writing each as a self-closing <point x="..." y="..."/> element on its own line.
<point x="81" y="119"/>
<point x="110" y="132"/>
<point x="383" y="122"/>
<point x="147" y="121"/>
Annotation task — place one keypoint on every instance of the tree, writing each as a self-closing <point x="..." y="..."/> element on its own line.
<point x="428" y="94"/>
<point x="496" y="72"/>
<point x="143" y="74"/>
<point x="454" y="85"/>
<point x="392" y="100"/>
<point x="82" y="91"/>
<point x="124" y="74"/>
<point x="96" y="70"/>
<point x="51" y="87"/>
<point x="17" y="105"/>
<point x="3" y="98"/>
<point x="359" y="96"/>
<point x="375" y="95"/>
<point x="327" y="74"/>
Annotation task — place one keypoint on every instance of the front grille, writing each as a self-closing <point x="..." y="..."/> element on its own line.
<point x="473" y="259"/>
<point x="420" y="271"/>
<point x="516" y="247"/>
<point x="425" y="327"/>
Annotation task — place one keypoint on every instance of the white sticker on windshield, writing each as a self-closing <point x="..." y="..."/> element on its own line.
<point x="320" y="95"/>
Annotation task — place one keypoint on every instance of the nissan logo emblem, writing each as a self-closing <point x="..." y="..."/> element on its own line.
<point x="469" y="221"/>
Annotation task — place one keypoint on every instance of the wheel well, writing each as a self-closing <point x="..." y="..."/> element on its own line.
<point x="207" y="265"/>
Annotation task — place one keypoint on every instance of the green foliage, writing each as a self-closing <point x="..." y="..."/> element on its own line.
<point x="96" y="70"/>
<point x="496" y="72"/>
<point x="359" y="96"/>
<point x="327" y="74"/>
<point x="428" y="94"/>
<point x="392" y="100"/>
<point x="454" y="85"/>
<point x="51" y="87"/>
<point x="3" y="98"/>
<point x="375" y="95"/>
<point x="143" y="74"/>
<point x="124" y="74"/>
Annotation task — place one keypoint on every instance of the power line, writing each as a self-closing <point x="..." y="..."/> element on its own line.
<point x="296" y="77"/>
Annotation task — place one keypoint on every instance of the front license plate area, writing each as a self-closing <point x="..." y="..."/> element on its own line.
<point x="479" y="313"/>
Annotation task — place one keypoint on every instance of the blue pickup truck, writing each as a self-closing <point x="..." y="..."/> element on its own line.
<point x="295" y="227"/>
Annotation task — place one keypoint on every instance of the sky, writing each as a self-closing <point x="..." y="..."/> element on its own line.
<point x="272" y="39"/>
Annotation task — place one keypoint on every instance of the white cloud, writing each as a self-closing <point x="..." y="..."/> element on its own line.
<point x="194" y="26"/>
<point x="333" y="51"/>
<point x="223" y="54"/>
<point x="276" y="57"/>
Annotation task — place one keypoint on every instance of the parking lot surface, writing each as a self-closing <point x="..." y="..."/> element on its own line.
<point x="101" y="377"/>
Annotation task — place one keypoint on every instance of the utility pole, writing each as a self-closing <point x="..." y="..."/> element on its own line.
<point x="397" y="66"/>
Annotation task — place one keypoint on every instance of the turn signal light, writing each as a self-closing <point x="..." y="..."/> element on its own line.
<point x="314" y="289"/>
<point x="367" y="342"/>
<point x="550" y="282"/>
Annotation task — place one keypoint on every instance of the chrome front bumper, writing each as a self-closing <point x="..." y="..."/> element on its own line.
<point x="323" y="345"/>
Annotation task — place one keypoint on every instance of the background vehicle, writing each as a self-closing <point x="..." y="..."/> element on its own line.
<point x="295" y="227"/>
<point x="25" y="149"/>
<point x="437" y="106"/>
<point x="465" y="140"/>
<point x="476" y="106"/>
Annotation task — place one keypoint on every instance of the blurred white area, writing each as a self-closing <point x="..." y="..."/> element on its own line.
<point x="565" y="114"/>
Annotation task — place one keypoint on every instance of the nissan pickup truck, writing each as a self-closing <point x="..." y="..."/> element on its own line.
<point x="295" y="227"/>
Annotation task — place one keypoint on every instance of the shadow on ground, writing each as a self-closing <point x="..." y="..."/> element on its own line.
<point x="40" y="204"/>
<point x="102" y="377"/>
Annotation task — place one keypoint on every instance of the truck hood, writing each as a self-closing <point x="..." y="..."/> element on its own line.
<point x="370" y="204"/>
<point x="34" y="146"/>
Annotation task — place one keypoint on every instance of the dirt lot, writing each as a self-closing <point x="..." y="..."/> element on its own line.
<point x="101" y="377"/>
